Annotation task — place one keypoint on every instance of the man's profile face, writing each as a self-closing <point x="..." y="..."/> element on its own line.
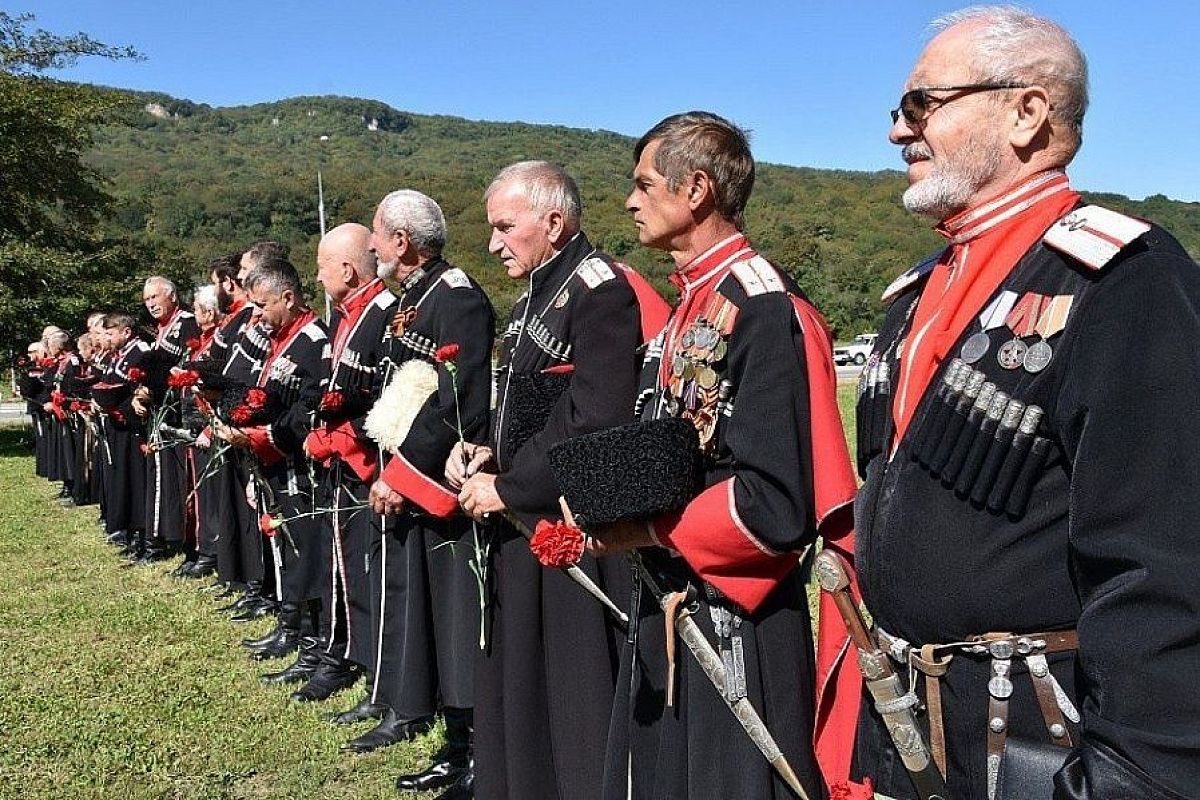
<point x="385" y="245"/>
<point x="520" y="239"/>
<point x="955" y="152"/>
<point x="117" y="337"/>
<point x="331" y="274"/>
<point x="659" y="214"/>
<point x="158" y="300"/>
<point x="272" y="305"/>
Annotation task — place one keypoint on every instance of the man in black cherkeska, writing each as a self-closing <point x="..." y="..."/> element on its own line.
<point x="568" y="366"/>
<point x="1027" y="532"/>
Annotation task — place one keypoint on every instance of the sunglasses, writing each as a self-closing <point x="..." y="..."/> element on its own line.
<point x="917" y="104"/>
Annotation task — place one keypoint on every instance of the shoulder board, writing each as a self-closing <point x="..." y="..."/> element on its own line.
<point x="384" y="299"/>
<point x="141" y="346"/>
<point x="186" y="315"/>
<point x="314" y="332"/>
<point x="327" y="350"/>
<point x="757" y="276"/>
<point x="1093" y="235"/>
<point x="455" y="278"/>
<point x="595" y="271"/>
<point x="910" y="277"/>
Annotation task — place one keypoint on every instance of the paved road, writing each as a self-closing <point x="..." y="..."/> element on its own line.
<point x="13" y="411"/>
<point x="846" y="374"/>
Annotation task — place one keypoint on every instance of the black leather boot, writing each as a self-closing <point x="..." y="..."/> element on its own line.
<point x="157" y="549"/>
<point x="463" y="787"/>
<point x="362" y="712"/>
<point x="229" y="590"/>
<point x="390" y="730"/>
<point x="202" y="567"/>
<point x="134" y="545"/>
<point x="258" y="609"/>
<point x="451" y="763"/>
<point x="288" y="639"/>
<point x="262" y="641"/>
<point x="306" y="663"/>
<point x="332" y="676"/>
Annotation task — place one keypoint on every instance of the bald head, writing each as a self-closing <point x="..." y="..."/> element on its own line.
<point x="344" y="260"/>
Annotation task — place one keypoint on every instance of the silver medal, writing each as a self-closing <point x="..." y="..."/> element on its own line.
<point x="1012" y="354"/>
<point x="1037" y="358"/>
<point x="975" y="347"/>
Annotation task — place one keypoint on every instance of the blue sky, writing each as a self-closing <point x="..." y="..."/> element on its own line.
<point x="813" y="81"/>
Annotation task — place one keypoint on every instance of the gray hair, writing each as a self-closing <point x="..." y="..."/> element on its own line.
<point x="546" y="187"/>
<point x="59" y="337"/>
<point x="159" y="280"/>
<point x="275" y="276"/>
<point x="206" y="297"/>
<point x="1016" y="46"/>
<point x="418" y="216"/>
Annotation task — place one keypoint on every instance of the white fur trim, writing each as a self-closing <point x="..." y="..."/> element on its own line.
<point x="392" y="416"/>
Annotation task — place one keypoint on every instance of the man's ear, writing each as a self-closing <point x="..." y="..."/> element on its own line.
<point x="1029" y="115"/>
<point x="699" y="189"/>
<point x="555" y="225"/>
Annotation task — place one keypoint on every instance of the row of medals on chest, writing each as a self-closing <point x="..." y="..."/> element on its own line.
<point x="1029" y="315"/>
<point x="695" y="388"/>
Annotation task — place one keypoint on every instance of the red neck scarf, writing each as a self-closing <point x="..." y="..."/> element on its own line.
<point x="352" y="309"/>
<point x="986" y="242"/>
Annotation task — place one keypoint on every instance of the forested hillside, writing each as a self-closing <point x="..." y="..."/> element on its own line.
<point x="192" y="182"/>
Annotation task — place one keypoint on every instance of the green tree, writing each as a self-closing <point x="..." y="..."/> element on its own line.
<point x="52" y="261"/>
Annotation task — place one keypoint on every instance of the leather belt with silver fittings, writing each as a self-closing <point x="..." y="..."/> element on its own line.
<point x="933" y="661"/>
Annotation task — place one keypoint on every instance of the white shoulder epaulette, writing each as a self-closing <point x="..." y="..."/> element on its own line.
<point x="143" y="346"/>
<point x="326" y="351"/>
<point x="909" y="277"/>
<point x="384" y="299"/>
<point x="455" y="278"/>
<point x="757" y="276"/>
<point x="314" y="332"/>
<point x="1093" y="235"/>
<point x="595" y="271"/>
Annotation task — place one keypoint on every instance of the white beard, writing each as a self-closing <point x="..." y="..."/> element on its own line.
<point x="952" y="184"/>
<point x="385" y="269"/>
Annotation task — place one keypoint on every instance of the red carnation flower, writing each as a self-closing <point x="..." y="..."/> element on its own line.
<point x="193" y="344"/>
<point x="268" y="525"/>
<point x="446" y="353"/>
<point x="557" y="544"/>
<point x="47" y="363"/>
<point x="241" y="415"/>
<point x="179" y="380"/>
<point x="256" y="398"/>
<point x="333" y="401"/>
<point x="137" y="374"/>
<point x="57" y="397"/>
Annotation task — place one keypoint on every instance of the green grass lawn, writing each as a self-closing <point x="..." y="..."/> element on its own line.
<point x="128" y="684"/>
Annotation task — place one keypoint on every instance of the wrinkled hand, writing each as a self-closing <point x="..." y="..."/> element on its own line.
<point x="141" y="393"/>
<point x="479" y="498"/>
<point x="234" y="436"/>
<point x="384" y="499"/>
<point x="203" y="440"/>
<point x="47" y="407"/>
<point x="139" y="407"/>
<point x="466" y="460"/>
<point x="615" y="537"/>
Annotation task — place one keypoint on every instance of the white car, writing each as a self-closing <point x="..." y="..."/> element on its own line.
<point x="857" y="351"/>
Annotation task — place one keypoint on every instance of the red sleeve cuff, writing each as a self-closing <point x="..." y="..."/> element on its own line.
<point x="419" y="488"/>
<point x="263" y="447"/>
<point x="711" y="537"/>
<point x="318" y="446"/>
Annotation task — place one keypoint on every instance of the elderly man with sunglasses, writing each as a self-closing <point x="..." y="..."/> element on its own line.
<point x="1028" y="526"/>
